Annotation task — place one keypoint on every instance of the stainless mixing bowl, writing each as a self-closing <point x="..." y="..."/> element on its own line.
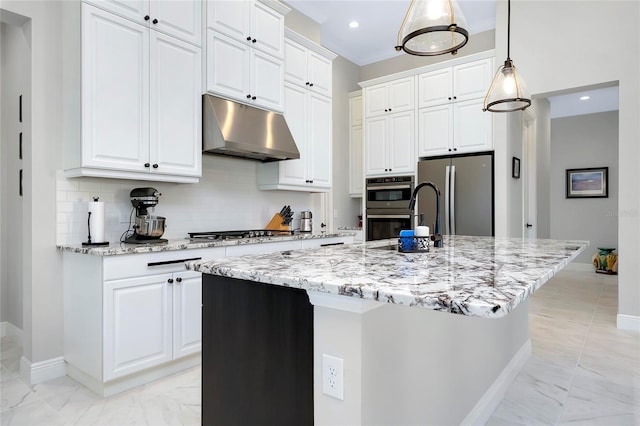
<point x="149" y="227"/>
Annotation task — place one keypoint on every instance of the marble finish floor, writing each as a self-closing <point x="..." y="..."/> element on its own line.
<point x="583" y="371"/>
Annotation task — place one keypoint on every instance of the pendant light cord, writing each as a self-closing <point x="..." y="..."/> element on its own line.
<point x="508" y="29"/>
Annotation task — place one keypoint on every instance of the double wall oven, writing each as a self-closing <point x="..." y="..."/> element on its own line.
<point x="387" y="206"/>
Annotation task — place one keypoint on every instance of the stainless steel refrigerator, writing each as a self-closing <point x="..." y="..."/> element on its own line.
<point x="466" y="187"/>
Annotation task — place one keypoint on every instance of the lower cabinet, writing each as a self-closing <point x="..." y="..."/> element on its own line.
<point x="150" y="320"/>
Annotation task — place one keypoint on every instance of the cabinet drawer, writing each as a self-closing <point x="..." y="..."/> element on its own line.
<point x="136" y="265"/>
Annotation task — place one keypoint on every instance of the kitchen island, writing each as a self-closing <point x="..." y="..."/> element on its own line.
<point x="268" y="320"/>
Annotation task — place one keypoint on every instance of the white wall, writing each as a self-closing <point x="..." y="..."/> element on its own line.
<point x="585" y="141"/>
<point x="226" y="198"/>
<point x="15" y="62"/>
<point x="42" y="272"/>
<point x="560" y="50"/>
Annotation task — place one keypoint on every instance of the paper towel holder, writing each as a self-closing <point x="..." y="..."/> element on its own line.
<point x="90" y="243"/>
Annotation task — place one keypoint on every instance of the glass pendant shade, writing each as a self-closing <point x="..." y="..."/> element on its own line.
<point x="432" y="27"/>
<point x="507" y="91"/>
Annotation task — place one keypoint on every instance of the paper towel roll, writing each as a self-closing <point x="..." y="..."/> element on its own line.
<point x="422" y="231"/>
<point x="96" y="221"/>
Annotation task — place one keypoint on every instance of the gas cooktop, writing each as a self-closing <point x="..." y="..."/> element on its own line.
<point x="224" y="235"/>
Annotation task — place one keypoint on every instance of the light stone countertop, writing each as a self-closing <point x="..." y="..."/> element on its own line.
<point x="476" y="276"/>
<point x="117" y="248"/>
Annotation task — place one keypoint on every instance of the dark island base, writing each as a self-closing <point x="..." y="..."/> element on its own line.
<point x="257" y="354"/>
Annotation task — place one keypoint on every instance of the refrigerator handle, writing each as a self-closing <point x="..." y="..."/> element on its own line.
<point x="447" y="175"/>
<point x="452" y="201"/>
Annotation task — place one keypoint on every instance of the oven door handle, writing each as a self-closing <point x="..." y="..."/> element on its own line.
<point x="389" y="216"/>
<point x="385" y="187"/>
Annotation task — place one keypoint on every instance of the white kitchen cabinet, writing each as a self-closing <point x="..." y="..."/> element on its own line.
<point x="180" y="19"/>
<point x="307" y="68"/>
<point x="309" y="117"/>
<point x="356" y="154"/>
<point x="131" y="318"/>
<point x="139" y="108"/>
<point x="237" y="71"/>
<point x="390" y="97"/>
<point x="253" y="23"/>
<point x="150" y="321"/>
<point x="455" y="84"/>
<point x="456" y="128"/>
<point x="450" y="116"/>
<point x="390" y="144"/>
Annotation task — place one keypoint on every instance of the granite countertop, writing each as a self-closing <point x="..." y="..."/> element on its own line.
<point x="476" y="276"/>
<point x="186" y="244"/>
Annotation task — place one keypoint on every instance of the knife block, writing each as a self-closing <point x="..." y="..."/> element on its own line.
<point x="275" y="224"/>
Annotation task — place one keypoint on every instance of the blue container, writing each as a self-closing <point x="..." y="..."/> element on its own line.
<point x="407" y="240"/>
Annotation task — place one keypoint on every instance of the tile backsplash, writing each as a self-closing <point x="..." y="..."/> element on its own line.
<point x="226" y="198"/>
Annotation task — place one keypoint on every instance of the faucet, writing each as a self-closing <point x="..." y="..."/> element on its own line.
<point x="437" y="232"/>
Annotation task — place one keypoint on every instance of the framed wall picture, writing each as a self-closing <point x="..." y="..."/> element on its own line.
<point x="515" y="168"/>
<point x="587" y="183"/>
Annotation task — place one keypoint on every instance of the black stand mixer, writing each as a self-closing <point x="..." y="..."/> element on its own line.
<point x="147" y="228"/>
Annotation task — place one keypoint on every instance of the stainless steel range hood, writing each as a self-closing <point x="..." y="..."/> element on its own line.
<point x="231" y="128"/>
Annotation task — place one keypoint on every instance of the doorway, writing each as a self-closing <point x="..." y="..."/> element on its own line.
<point x="15" y="138"/>
<point x="529" y="204"/>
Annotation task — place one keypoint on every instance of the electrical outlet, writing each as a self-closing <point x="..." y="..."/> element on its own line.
<point x="333" y="376"/>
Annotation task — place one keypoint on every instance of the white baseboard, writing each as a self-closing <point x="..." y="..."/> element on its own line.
<point x="628" y="322"/>
<point x="580" y="267"/>
<point x="38" y="372"/>
<point x="8" y="329"/>
<point x="483" y="409"/>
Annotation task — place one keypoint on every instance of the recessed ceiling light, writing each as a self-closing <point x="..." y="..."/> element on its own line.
<point x="354" y="24"/>
<point x="585" y="98"/>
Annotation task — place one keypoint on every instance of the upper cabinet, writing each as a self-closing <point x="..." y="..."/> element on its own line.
<point x="307" y="68"/>
<point x="254" y="23"/>
<point x="390" y="97"/>
<point x="245" y="52"/>
<point x="356" y="154"/>
<point x="454" y="84"/>
<point x="450" y="116"/>
<point x="308" y="111"/>
<point x="137" y="114"/>
<point x="179" y="19"/>
<point x="389" y="127"/>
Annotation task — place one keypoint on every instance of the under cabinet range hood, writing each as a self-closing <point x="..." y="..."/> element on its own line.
<point x="231" y="128"/>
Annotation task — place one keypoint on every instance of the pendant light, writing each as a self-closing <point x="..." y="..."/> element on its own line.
<point x="432" y="27"/>
<point x="507" y="91"/>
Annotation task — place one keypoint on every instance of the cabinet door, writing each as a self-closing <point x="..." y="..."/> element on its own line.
<point x="376" y="100"/>
<point x="376" y="150"/>
<point x="228" y="63"/>
<point x="187" y="313"/>
<point x="472" y="80"/>
<point x="176" y="107"/>
<point x="294" y="172"/>
<point x="230" y="17"/>
<point x="402" y="142"/>
<point x="401" y="95"/>
<point x="267" y="29"/>
<point x="320" y="70"/>
<point x="295" y="64"/>
<point x="435" y="88"/>
<point x="435" y="130"/>
<point x="135" y="10"/>
<point x="267" y="79"/>
<point x="356" y="177"/>
<point x="355" y="111"/>
<point x="472" y="130"/>
<point x="320" y="141"/>
<point x="178" y="18"/>
<point x="115" y="92"/>
<point x="137" y="324"/>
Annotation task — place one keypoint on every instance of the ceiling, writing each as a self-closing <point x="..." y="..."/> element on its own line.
<point x="379" y="20"/>
<point x="376" y="36"/>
